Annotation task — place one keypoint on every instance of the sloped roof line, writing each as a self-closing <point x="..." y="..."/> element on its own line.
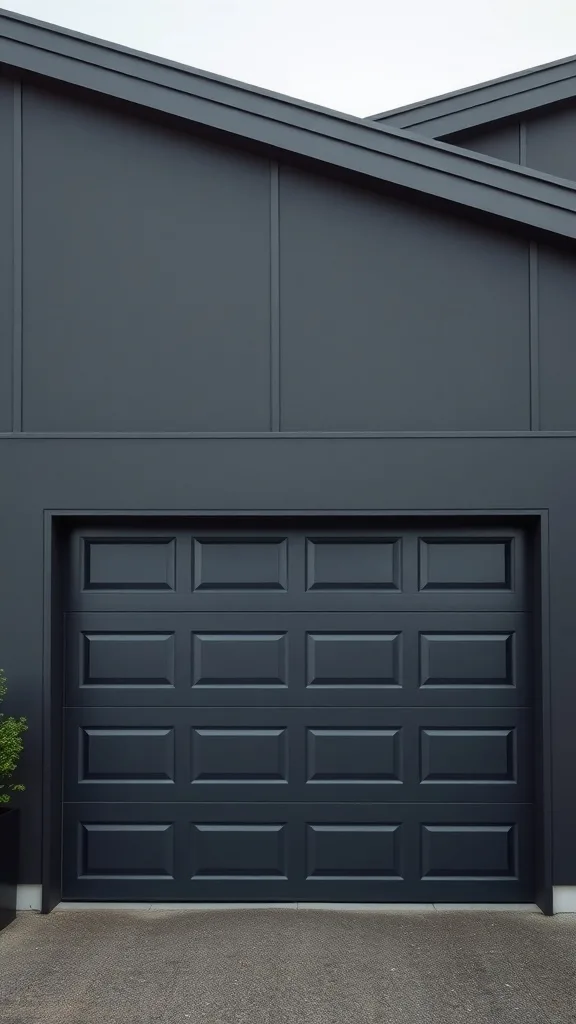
<point x="281" y="126"/>
<point x="69" y="38"/>
<point x="481" y="104"/>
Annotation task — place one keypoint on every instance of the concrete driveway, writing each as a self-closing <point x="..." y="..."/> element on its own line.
<point x="283" y="966"/>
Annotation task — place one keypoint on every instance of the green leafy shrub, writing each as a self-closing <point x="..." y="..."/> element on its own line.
<point x="11" y="747"/>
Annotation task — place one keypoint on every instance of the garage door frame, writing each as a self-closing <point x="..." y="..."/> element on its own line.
<point x="57" y="524"/>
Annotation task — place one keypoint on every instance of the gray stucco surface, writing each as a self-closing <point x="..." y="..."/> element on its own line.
<point x="282" y="966"/>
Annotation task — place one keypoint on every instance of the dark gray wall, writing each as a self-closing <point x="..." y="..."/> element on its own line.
<point x="500" y="141"/>
<point x="557" y="348"/>
<point x="146" y="272"/>
<point x="171" y="284"/>
<point x="551" y="142"/>
<point x="307" y="473"/>
<point x="544" y="140"/>
<point x="394" y="317"/>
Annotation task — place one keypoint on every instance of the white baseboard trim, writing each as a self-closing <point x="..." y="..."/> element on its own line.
<point x="564" y="899"/>
<point x="29" y="897"/>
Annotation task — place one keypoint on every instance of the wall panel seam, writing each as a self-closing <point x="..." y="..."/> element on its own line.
<point x="17" y="264"/>
<point x="523" y="142"/>
<point x="533" y="336"/>
<point x="274" y="298"/>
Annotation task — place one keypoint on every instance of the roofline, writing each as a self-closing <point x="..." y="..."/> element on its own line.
<point x="482" y="104"/>
<point x="150" y="58"/>
<point x="285" y="126"/>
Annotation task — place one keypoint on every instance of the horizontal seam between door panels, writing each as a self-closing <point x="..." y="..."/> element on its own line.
<point x="305" y="803"/>
<point x="301" y="707"/>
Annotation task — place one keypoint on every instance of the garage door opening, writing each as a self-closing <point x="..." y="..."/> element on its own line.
<point x="300" y="710"/>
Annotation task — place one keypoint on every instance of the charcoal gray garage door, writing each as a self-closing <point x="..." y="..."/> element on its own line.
<point x="314" y="710"/>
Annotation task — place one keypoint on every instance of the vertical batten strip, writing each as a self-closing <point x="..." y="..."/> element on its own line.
<point x="523" y="144"/>
<point x="17" y="266"/>
<point x="533" y="333"/>
<point x="274" y="299"/>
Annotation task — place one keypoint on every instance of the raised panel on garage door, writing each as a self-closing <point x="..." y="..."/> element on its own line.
<point x="370" y="565"/>
<point x="298" y="710"/>
<point x="299" y="754"/>
<point x="297" y="658"/>
<point x="289" y="851"/>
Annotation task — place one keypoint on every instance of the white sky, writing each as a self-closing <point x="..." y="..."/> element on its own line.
<point x="360" y="56"/>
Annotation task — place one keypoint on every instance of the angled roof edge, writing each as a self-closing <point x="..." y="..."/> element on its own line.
<point x="482" y="104"/>
<point x="283" y="125"/>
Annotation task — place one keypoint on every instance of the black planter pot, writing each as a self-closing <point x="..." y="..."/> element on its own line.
<point x="9" y="836"/>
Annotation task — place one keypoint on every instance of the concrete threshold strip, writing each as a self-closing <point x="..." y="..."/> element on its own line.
<point x="373" y="908"/>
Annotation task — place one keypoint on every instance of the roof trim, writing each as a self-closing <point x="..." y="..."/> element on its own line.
<point x="386" y="155"/>
<point x="478" y="105"/>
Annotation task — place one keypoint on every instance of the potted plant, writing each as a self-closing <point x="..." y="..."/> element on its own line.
<point x="11" y="746"/>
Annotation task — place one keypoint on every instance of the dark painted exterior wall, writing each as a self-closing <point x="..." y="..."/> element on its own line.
<point x="384" y="319"/>
<point x="161" y="287"/>
<point x="500" y="141"/>
<point x="544" y="140"/>
<point x="146" y="271"/>
<point x="171" y="284"/>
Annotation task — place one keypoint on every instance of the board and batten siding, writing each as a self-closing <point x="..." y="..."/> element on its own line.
<point x="224" y="294"/>
<point x="156" y="281"/>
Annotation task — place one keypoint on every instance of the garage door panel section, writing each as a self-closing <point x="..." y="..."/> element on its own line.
<point x="299" y="754"/>
<point x="317" y="658"/>
<point x="240" y="564"/>
<point x="180" y="659"/>
<point x="120" y="564"/>
<point x="213" y="754"/>
<point x="278" y="567"/>
<point x="265" y="852"/>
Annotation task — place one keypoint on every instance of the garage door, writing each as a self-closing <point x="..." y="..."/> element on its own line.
<point x="313" y="710"/>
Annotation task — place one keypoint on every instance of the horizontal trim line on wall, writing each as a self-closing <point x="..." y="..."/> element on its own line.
<point x="485" y="513"/>
<point x="276" y="435"/>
